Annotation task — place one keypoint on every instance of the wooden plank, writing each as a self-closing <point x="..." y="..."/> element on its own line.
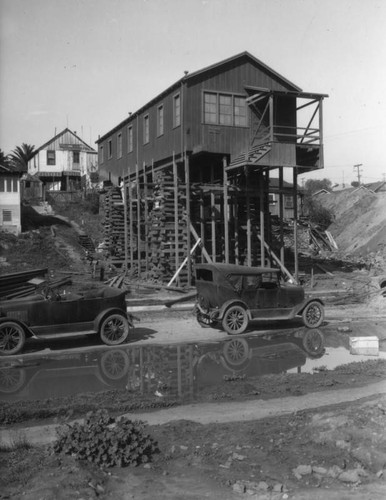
<point x="213" y="220"/>
<point x="262" y="225"/>
<point x="175" y="186"/>
<point x="226" y="211"/>
<point x="188" y="216"/>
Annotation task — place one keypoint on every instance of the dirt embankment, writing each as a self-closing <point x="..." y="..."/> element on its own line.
<point x="360" y="221"/>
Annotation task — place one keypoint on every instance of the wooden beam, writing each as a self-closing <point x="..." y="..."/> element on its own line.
<point x="226" y="212"/>
<point x="188" y="245"/>
<point x="295" y="202"/>
<point x="146" y="224"/>
<point x="281" y="214"/>
<point x="249" y="232"/>
<point x="131" y="223"/>
<point x="196" y="237"/>
<point x="175" y="186"/>
<point x="262" y="221"/>
<point x="213" y="216"/>
<point x="198" y="242"/>
<point x="202" y="216"/>
<point x="277" y="260"/>
<point x="138" y="194"/>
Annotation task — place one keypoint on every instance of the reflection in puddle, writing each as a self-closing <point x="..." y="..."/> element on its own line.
<point x="177" y="370"/>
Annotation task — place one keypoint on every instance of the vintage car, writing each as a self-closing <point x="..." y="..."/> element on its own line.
<point x="231" y="296"/>
<point x="51" y="315"/>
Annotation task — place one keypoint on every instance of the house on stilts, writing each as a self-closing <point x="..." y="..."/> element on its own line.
<point x="190" y="170"/>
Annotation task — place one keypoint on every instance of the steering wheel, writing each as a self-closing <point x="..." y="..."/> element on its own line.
<point x="50" y="294"/>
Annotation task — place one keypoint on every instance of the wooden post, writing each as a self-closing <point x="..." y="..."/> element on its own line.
<point x="321" y="152"/>
<point x="138" y="219"/>
<point x="146" y="220"/>
<point x="175" y="183"/>
<point x="188" y="245"/>
<point x="226" y="212"/>
<point x="262" y="222"/>
<point x="271" y="118"/>
<point x="131" y="223"/>
<point x="213" y="215"/>
<point x="202" y="215"/>
<point x="236" y="222"/>
<point x="249" y="232"/>
<point x="281" y="215"/>
<point x="124" y="199"/>
<point x="295" y="202"/>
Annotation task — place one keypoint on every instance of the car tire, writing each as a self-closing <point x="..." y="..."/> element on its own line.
<point x="235" y="320"/>
<point x="114" y="329"/>
<point x="313" y="342"/>
<point x="313" y="314"/>
<point x="236" y="353"/>
<point x="114" y="365"/>
<point x="12" y="338"/>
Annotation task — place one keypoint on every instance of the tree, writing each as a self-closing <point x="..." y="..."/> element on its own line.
<point x="20" y="156"/>
<point x="313" y="185"/>
<point x="355" y="184"/>
<point x="4" y="160"/>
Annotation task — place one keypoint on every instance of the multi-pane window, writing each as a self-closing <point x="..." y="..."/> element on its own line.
<point x="210" y="107"/>
<point x="225" y="109"/>
<point x="101" y="154"/>
<point x="110" y="148"/>
<point x="176" y="110"/>
<point x="160" y="120"/>
<point x="75" y="156"/>
<point x="51" y="157"/>
<point x="146" y="135"/>
<point x="130" y="139"/>
<point x="119" y="145"/>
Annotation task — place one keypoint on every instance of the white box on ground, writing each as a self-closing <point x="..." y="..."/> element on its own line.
<point x="369" y="346"/>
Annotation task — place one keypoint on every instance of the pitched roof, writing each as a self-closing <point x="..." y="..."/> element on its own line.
<point x="200" y="72"/>
<point x="60" y="134"/>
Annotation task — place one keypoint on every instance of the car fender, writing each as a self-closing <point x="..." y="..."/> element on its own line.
<point x="113" y="310"/>
<point x="28" y="332"/>
<point x="300" y="307"/>
<point x="233" y="302"/>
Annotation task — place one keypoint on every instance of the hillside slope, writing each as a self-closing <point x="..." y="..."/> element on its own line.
<point x="360" y="221"/>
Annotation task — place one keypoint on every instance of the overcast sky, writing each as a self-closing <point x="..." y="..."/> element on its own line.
<point x="86" y="63"/>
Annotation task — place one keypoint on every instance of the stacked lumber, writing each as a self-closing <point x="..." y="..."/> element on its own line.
<point x="167" y="234"/>
<point x="114" y="234"/>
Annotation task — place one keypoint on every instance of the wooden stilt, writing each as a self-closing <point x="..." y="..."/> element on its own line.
<point x="175" y="185"/>
<point x="138" y="196"/>
<point x="202" y="215"/>
<point x="124" y="200"/>
<point x="281" y="215"/>
<point x="226" y="211"/>
<point x="262" y="222"/>
<point x="146" y="220"/>
<point x="188" y="245"/>
<point x="213" y="215"/>
<point x="249" y="232"/>
<point x="295" y="203"/>
<point x="130" y="192"/>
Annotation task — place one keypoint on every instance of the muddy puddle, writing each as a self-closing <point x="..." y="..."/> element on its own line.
<point x="177" y="370"/>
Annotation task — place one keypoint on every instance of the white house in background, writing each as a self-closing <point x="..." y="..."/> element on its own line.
<point x="10" y="217"/>
<point x="64" y="163"/>
<point x="288" y="198"/>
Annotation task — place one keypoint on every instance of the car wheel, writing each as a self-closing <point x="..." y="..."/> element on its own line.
<point x="236" y="352"/>
<point x="313" y="342"/>
<point x="313" y="315"/>
<point x="235" y="320"/>
<point x="12" y="338"/>
<point x="114" y="365"/>
<point x="12" y="379"/>
<point x="114" y="329"/>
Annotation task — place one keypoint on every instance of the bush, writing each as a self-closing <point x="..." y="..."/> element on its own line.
<point x="318" y="214"/>
<point x="106" y="441"/>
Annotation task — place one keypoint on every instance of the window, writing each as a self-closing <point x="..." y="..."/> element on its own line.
<point x="75" y="156"/>
<point x="51" y="158"/>
<point x="2" y="184"/>
<point x="9" y="185"/>
<point x="7" y="215"/>
<point x="160" y="120"/>
<point x="176" y="111"/>
<point x="130" y="139"/>
<point x="225" y="109"/>
<point x="110" y="148"/>
<point x="146" y="129"/>
<point x="101" y="154"/>
<point x="225" y="114"/>
<point x="119" y="145"/>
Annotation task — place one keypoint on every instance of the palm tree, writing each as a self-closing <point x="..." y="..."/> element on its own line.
<point x="20" y="156"/>
<point x="4" y="160"/>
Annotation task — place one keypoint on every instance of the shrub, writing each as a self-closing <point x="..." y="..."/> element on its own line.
<point x="106" y="441"/>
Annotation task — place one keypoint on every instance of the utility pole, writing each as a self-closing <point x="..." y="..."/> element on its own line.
<point x="357" y="167"/>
